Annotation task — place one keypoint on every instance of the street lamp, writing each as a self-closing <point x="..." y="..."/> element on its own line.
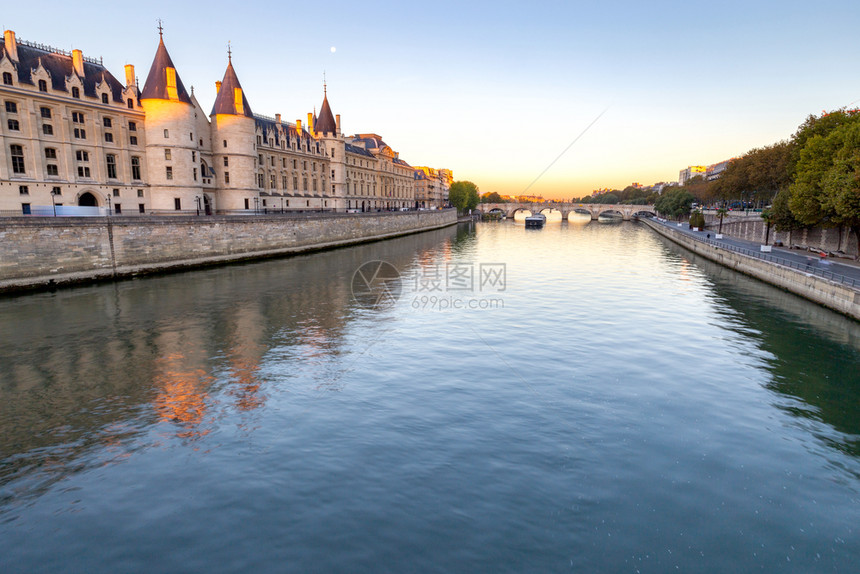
<point x="256" y="205"/>
<point x="108" y="204"/>
<point x="197" y="201"/>
<point x="54" y="204"/>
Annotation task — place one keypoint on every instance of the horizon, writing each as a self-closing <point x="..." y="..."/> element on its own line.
<point x="554" y="100"/>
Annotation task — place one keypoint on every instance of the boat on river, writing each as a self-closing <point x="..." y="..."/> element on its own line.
<point x="535" y="221"/>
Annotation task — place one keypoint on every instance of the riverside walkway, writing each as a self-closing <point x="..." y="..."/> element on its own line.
<point x="845" y="272"/>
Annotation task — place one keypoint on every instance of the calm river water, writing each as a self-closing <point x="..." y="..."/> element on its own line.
<point x="586" y="397"/>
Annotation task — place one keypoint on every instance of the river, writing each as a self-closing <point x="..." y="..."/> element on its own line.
<point x="483" y="398"/>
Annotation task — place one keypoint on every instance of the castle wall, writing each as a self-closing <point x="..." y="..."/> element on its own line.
<point x="53" y="251"/>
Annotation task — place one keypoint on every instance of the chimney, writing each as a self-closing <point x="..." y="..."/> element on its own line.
<point x="129" y="75"/>
<point x="278" y="118"/>
<point x="78" y="62"/>
<point x="299" y="127"/>
<point x="337" y="123"/>
<point x="217" y="87"/>
<point x="11" y="45"/>
<point x="311" y="123"/>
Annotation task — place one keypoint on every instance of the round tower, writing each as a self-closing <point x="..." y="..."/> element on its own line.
<point x="172" y="141"/>
<point x="234" y="151"/>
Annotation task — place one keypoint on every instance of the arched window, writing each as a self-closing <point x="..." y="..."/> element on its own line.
<point x="43" y="86"/>
<point x="76" y="93"/>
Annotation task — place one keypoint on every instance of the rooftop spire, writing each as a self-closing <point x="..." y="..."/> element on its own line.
<point x="229" y="53"/>
<point x="231" y="98"/>
<point x="160" y="29"/>
<point x="325" y="123"/>
<point x="163" y="83"/>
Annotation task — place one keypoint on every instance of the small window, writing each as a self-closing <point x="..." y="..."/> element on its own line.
<point x="226" y="177"/>
<point x="43" y="86"/>
<point x="195" y="173"/>
<point x="194" y="156"/>
<point x="115" y="193"/>
<point x="169" y="172"/>
<point x="166" y="133"/>
<point x="83" y="171"/>
<point x="130" y="104"/>
<point x="132" y="140"/>
<point x="191" y="136"/>
<point x="167" y="153"/>
<point x="17" y="159"/>
<point x="56" y="191"/>
<point x="132" y="126"/>
<point x="177" y="203"/>
<point x="135" y="171"/>
<point x="23" y="190"/>
<point x="226" y="162"/>
<point x="7" y="79"/>
<point x="108" y="137"/>
<point x="50" y="153"/>
<point x="106" y="122"/>
<point x="82" y="155"/>
<point x="76" y="92"/>
<point x="225" y="143"/>
<point x="77" y="117"/>
<point x="104" y="98"/>
<point x="52" y="170"/>
<point x="13" y="125"/>
<point x="140" y="193"/>
<point x="80" y="133"/>
<point x="11" y="108"/>
<point x="45" y="112"/>
<point x="246" y="203"/>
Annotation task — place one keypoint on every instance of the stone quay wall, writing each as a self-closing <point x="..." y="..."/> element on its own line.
<point x="41" y="252"/>
<point x="833" y="295"/>
<point x="832" y="240"/>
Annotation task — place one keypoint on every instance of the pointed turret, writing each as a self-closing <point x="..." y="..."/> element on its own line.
<point x="325" y="123"/>
<point x="231" y="98"/>
<point x="163" y="83"/>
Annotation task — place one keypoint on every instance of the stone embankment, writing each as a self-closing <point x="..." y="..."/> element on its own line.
<point x="44" y="252"/>
<point x="831" y="294"/>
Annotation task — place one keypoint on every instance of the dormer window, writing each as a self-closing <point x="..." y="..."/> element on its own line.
<point x="104" y="98"/>
<point x="76" y="92"/>
<point x="130" y="104"/>
<point x="43" y="86"/>
<point x="171" y="84"/>
<point x="7" y="79"/>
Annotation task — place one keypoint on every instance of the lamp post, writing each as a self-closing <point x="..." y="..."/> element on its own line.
<point x="108" y="204"/>
<point x="197" y="201"/>
<point x="54" y="204"/>
<point x="256" y="205"/>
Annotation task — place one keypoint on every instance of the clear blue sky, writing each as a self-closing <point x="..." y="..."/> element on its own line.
<point x="497" y="90"/>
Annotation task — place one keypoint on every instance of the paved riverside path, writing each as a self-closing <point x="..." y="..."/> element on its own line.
<point x="843" y="270"/>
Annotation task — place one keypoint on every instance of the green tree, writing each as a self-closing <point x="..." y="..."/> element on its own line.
<point x="491" y="197"/>
<point x="463" y="195"/>
<point x="674" y="202"/>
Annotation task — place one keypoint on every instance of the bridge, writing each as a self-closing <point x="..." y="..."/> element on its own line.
<point x="595" y="210"/>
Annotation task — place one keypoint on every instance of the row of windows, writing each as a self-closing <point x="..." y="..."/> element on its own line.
<point x="77" y="118"/>
<point x="286" y="143"/>
<point x="81" y="156"/>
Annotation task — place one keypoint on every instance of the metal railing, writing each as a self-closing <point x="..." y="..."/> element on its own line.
<point x="803" y="267"/>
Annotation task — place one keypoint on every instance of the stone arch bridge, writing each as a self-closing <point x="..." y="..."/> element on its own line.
<point x="627" y="212"/>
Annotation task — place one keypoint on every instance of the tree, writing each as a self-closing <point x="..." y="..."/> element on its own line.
<point x="463" y="195"/>
<point x="608" y="198"/>
<point x="491" y="197"/>
<point x="767" y="216"/>
<point x="826" y="190"/>
<point x="721" y="212"/>
<point x="675" y="202"/>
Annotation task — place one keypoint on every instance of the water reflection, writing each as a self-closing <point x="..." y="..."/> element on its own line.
<point x="98" y="366"/>
<point x="814" y="352"/>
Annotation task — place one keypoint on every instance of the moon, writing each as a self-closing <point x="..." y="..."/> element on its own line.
<point x="333" y="49"/>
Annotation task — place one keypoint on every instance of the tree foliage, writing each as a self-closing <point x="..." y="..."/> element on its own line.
<point x="463" y="195"/>
<point x="491" y="197"/>
<point x="674" y="202"/>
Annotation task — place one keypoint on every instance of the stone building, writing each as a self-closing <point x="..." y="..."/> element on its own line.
<point x="73" y="135"/>
<point x="431" y="186"/>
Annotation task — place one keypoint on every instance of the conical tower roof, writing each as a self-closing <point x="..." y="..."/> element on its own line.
<point x="325" y="122"/>
<point x="227" y="102"/>
<point x="163" y="79"/>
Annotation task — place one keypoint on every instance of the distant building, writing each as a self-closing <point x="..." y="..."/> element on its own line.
<point x="431" y="186"/>
<point x="690" y="172"/>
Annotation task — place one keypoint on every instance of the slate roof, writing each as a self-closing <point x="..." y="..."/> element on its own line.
<point x="358" y="151"/>
<point x="59" y="66"/>
<point x="268" y="124"/>
<point x="155" y="87"/>
<point x="399" y="161"/>
<point x="325" y="123"/>
<point x="225" y="102"/>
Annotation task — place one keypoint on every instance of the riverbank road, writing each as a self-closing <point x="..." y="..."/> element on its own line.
<point x="843" y="271"/>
